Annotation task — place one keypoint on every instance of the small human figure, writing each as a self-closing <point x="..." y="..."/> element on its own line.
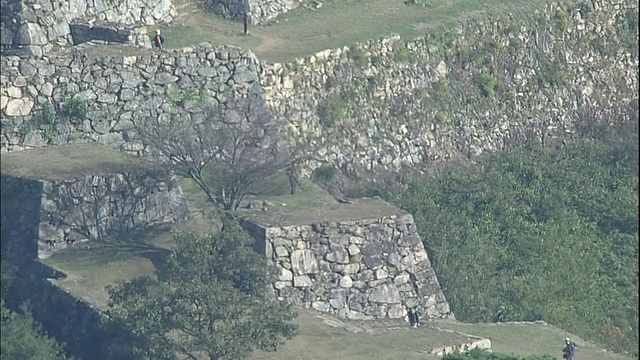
<point x="414" y="317"/>
<point x="569" y="350"/>
<point x="500" y="315"/>
<point x="158" y="40"/>
<point x="246" y="23"/>
<point x="293" y="180"/>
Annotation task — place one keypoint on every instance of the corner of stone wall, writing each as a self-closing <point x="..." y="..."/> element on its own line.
<point x="43" y="217"/>
<point x="35" y="28"/>
<point x="361" y="269"/>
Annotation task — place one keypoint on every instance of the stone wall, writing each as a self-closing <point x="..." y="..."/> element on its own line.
<point x="110" y="33"/>
<point x="40" y="26"/>
<point x="261" y="11"/>
<point x="388" y="104"/>
<point x="394" y="104"/>
<point x="116" y="90"/>
<point x="356" y="269"/>
<point x="41" y="217"/>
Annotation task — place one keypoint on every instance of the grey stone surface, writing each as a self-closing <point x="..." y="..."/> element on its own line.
<point x="44" y="217"/>
<point x="260" y="11"/>
<point x="327" y="278"/>
<point x="116" y="90"/>
<point x="48" y="25"/>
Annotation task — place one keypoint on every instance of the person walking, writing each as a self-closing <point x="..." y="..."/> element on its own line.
<point x="569" y="350"/>
<point x="414" y="317"/>
<point x="293" y="180"/>
<point x="158" y="40"/>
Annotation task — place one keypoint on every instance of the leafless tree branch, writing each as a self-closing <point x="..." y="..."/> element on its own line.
<point x="238" y="144"/>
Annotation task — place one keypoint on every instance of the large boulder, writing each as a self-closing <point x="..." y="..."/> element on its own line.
<point x="304" y="262"/>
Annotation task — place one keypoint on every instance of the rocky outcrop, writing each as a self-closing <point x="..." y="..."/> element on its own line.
<point x="43" y="25"/>
<point x="356" y="269"/>
<point x="41" y="217"/>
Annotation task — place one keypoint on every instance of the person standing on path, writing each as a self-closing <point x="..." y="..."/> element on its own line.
<point x="293" y="179"/>
<point x="158" y="40"/>
<point x="246" y="22"/>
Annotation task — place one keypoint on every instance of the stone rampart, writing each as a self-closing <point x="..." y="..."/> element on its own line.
<point x="389" y="104"/>
<point x="357" y="269"/>
<point x="393" y="103"/>
<point x="43" y="25"/>
<point x="94" y="95"/>
<point x="260" y="11"/>
<point x="41" y="217"/>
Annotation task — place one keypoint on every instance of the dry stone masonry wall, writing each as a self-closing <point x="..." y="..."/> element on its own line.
<point x="360" y="269"/>
<point x="393" y="104"/>
<point x="93" y="97"/>
<point x="260" y="11"/>
<point x="62" y="213"/>
<point x="42" y="25"/>
<point x="387" y="104"/>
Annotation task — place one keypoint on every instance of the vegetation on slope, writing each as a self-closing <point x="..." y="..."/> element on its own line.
<point x="547" y="233"/>
<point x="22" y="337"/>
<point x="208" y="300"/>
<point x="481" y="354"/>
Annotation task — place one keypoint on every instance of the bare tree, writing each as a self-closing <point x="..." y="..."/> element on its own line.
<point x="228" y="152"/>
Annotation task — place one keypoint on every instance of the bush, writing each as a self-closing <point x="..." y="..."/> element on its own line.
<point x="497" y="228"/>
<point x="487" y="84"/>
<point x="324" y="173"/>
<point x="332" y="110"/>
<point x="481" y="354"/>
<point x="76" y="109"/>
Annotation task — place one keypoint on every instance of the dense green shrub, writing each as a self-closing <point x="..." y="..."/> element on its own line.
<point x="332" y="110"/>
<point x="548" y="233"/>
<point x="481" y="354"/>
<point x="324" y="173"/>
<point x="487" y="84"/>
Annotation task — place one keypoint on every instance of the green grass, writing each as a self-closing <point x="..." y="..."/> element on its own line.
<point x="69" y="161"/>
<point x="530" y="339"/>
<point x="318" y="341"/>
<point x="309" y="205"/>
<point x="304" y="32"/>
<point x="89" y="269"/>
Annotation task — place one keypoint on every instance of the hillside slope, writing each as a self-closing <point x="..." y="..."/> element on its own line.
<point x="547" y="233"/>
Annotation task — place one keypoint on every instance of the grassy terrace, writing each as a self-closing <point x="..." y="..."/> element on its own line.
<point x="55" y="163"/>
<point x="336" y="23"/>
<point x="310" y="204"/>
